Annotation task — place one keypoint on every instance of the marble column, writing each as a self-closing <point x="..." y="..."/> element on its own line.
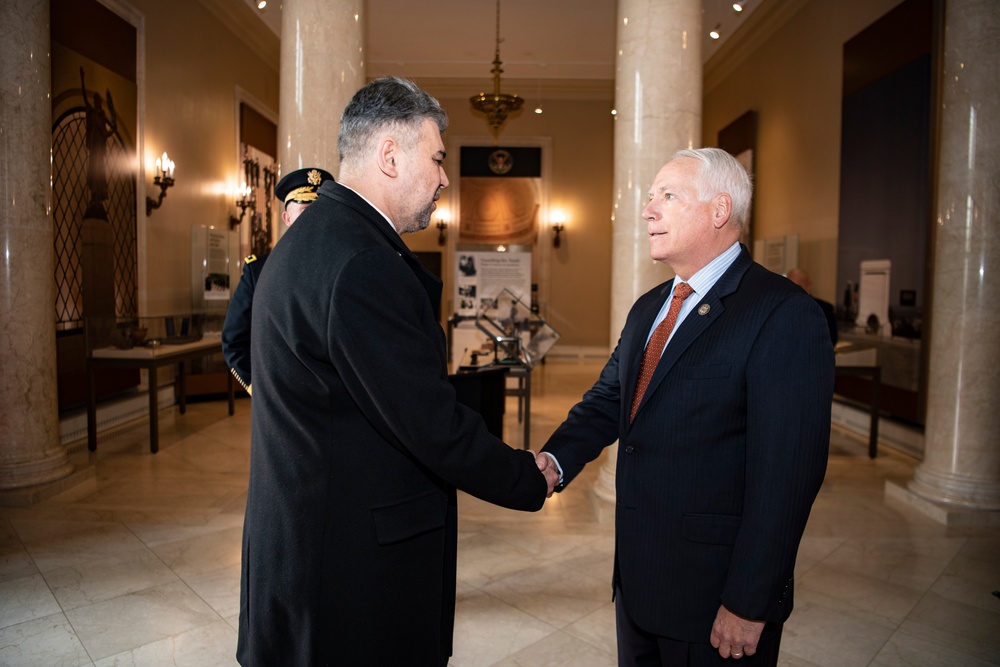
<point x="658" y="84"/>
<point x="322" y="66"/>
<point x="961" y="466"/>
<point x="30" y="452"/>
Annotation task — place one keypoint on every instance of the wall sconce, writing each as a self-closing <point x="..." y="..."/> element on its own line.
<point x="442" y="225"/>
<point x="245" y="199"/>
<point x="164" y="178"/>
<point x="558" y="225"/>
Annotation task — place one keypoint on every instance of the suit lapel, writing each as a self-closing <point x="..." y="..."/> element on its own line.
<point x="695" y="323"/>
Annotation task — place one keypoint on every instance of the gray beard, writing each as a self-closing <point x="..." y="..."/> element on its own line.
<point x="420" y="221"/>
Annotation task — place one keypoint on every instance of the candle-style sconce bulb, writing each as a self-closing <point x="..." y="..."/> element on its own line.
<point x="246" y="198"/>
<point x="162" y="178"/>
<point x="558" y="225"/>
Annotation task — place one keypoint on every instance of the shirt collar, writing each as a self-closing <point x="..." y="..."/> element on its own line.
<point x="373" y="206"/>
<point x="706" y="277"/>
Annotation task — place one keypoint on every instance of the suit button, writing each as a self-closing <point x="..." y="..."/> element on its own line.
<point x="629" y="449"/>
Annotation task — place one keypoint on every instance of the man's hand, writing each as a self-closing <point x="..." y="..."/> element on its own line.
<point x="734" y="635"/>
<point x="548" y="468"/>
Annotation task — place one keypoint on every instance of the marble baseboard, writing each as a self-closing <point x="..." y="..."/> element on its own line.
<point x="32" y="495"/>
<point x="902" y="438"/>
<point x="113" y="417"/>
<point x="944" y="514"/>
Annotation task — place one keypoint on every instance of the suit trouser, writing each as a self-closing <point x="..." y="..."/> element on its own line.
<point x="638" y="648"/>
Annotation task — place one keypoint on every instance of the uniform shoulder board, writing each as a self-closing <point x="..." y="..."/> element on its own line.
<point x="250" y="259"/>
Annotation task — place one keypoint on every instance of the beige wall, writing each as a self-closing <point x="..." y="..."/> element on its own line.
<point x="790" y="74"/>
<point x="792" y="78"/>
<point x="191" y="113"/>
<point x="577" y="299"/>
<point x="194" y="64"/>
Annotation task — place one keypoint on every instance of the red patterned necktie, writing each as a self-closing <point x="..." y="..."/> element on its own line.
<point x="654" y="348"/>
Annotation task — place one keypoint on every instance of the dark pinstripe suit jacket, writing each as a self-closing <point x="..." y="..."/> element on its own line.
<point x="717" y="474"/>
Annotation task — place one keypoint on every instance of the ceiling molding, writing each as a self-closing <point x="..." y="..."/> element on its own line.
<point x="757" y="29"/>
<point x="248" y="28"/>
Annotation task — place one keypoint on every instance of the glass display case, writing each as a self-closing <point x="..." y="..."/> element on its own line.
<point x="519" y="336"/>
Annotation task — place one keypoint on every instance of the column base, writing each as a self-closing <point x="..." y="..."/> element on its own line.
<point x="949" y="515"/>
<point x="31" y="495"/>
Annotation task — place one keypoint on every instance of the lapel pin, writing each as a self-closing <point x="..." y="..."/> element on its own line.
<point x="704" y="309"/>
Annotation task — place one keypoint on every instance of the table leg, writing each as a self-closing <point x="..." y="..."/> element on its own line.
<point x="231" y="391"/>
<point x="876" y="409"/>
<point x="154" y="412"/>
<point x="181" y="388"/>
<point x="91" y="408"/>
<point x="520" y="399"/>
<point x="527" y="409"/>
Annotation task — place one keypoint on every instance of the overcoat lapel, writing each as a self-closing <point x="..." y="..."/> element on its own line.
<point x="431" y="283"/>
<point x="696" y="323"/>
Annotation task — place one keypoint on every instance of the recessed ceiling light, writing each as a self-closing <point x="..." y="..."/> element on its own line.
<point x="261" y="5"/>
<point x="714" y="34"/>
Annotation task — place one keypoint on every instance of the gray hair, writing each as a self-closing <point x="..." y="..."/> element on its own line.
<point x="720" y="172"/>
<point x="386" y="103"/>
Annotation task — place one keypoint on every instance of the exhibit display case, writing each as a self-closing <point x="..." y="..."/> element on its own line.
<point x="518" y="336"/>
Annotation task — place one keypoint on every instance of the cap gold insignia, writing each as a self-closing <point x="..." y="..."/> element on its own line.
<point x="704" y="309"/>
<point x="304" y="194"/>
<point x="315" y="178"/>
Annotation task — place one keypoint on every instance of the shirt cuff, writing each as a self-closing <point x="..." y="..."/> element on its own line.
<point x="558" y="467"/>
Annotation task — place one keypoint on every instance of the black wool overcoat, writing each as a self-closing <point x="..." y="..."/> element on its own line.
<point x="357" y="447"/>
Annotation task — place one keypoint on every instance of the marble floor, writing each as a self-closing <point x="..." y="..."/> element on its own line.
<point x="141" y="566"/>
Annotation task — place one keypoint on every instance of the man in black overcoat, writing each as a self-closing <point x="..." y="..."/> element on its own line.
<point x="357" y="441"/>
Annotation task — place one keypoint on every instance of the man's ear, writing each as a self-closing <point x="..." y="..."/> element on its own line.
<point x="722" y="209"/>
<point x="388" y="149"/>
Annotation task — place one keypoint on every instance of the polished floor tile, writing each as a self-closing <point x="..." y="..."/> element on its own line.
<point x="142" y="566"/>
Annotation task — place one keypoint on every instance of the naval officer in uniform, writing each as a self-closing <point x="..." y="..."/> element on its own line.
<point x="296" y="191"/>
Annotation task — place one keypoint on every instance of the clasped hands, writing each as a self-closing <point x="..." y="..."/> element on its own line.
<point x="549" y="469"/>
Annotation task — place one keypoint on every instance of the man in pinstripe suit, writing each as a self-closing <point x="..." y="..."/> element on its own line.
<point x="722" y="444"/>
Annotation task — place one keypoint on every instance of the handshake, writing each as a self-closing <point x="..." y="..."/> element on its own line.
<point x="550" y="468"/>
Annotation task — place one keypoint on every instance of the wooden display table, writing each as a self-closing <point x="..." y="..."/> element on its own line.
<point x="151" y="359"/>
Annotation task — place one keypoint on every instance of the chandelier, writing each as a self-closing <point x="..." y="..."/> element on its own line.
<point x="496" y="105"/>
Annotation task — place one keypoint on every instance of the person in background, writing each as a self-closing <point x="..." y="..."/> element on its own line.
<point x="801" y="278"/>
<point x="357" y="442"/>
<point x="718" y="394"/>
<point x="296" y="191"/>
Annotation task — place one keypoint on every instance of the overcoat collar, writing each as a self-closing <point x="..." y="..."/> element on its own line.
<point x="431" y="283"/>
<point x="693" y="326"/>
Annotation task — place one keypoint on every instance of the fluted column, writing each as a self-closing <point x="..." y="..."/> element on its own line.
<point x="322" y="66"/>
<point x="961" y="466"/>
<point x="30" y="452"/>
<point x="658" y="83"/>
